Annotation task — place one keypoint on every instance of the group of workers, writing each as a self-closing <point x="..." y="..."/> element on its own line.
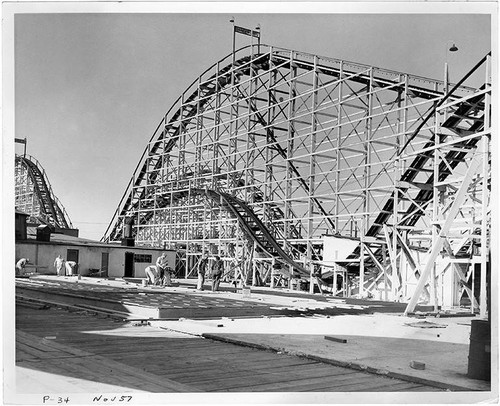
<point x="216" y="273"/>
<point x="160" y="274"/>
<point x="62" y="266"/>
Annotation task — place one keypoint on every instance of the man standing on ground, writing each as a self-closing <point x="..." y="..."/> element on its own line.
<point x="59" y="265"/>
<point x="202" y="268"/>
<point x="217" y="271"/>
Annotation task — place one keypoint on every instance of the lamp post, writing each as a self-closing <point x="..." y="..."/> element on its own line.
<point x="258" y="38"/>
<point x="234" y="35"/>
<point x="452" y="48"/>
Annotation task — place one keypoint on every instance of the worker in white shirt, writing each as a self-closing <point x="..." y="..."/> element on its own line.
<point x="59" y="265"/>
<point x="152" y="275"/>
<point x="161" y="268"/>
<point x="71" y="268"/>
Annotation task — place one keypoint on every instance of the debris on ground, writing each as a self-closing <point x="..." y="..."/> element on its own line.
<point x="417" y="365"/>
<point x="425" y="324"/>
<point x="336" y="339"/>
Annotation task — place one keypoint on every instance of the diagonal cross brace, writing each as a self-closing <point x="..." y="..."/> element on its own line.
<point x="438" y="245"/>
<point x="461" y="275"/>
<point x="411" y="261"/>
<point x="394" y="275"/>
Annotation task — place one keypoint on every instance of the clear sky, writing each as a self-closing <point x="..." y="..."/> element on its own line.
<point x="91" y="88"/>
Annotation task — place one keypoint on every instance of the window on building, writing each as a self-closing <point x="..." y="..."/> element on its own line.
<point x="143" y="258"/>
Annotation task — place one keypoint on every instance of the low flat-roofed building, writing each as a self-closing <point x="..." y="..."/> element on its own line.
<point x="93" y="257"/>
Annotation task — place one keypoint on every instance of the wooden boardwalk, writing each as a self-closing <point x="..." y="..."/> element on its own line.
<point x="142" y="358"/>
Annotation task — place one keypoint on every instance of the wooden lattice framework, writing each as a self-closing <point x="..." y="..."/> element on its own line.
<point x="34" y="195"/>
<point x="314" y="146"/>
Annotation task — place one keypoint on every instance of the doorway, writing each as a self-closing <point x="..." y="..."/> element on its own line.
<point x="129" y="265"/>
<point x="72" y="255"/>
<point x="104" y="264"/>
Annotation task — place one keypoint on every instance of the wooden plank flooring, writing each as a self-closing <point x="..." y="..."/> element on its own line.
<point x="140" y="357"/>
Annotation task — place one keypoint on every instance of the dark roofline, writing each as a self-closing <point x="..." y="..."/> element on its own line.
<point x="90" y="245"/>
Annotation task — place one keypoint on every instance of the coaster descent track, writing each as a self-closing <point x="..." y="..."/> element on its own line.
<point x="34" y="195"/>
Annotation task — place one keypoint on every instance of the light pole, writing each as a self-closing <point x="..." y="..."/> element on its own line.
<point x="452" y="48"/>
<point x="234" y="35"/>
<point x="257" y="29"/>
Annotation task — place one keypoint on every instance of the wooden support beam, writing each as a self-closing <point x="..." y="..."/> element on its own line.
<point x="419" y="185"/>
<point x="383" y="273"/>
<point x="436" y="249"/>
<point x="461" y="275"/>
<point x="392" y="257"/>
<point x="411" y="261"/>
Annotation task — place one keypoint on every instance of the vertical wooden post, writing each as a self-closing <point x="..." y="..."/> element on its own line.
<point x="272" y="272"/>
<point x="483" y="305"/>
<point x="361" y="258"/>
<point x="254" y="264"/>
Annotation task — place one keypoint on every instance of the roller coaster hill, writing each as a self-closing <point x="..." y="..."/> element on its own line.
<point x="35" y="198"/>
<point x="322" y="174"/>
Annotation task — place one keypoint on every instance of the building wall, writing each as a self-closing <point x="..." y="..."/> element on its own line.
<point x="43" y="256"/>
<point x="337" y="249"/>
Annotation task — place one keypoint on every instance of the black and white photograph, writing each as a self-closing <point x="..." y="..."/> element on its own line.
<point x="243" y="203"/>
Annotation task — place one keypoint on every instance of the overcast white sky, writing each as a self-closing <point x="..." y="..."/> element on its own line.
<point x="91" y="88"/>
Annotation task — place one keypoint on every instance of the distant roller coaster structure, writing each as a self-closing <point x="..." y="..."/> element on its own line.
<point x="272" y="155"/>
<point x="34" y="195"/>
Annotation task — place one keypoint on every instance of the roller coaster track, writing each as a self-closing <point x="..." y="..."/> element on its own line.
<point x="464" y="112"/>
<point x="413" y="213"/>
<point x="258" y="232"/>
<point x="51" y="210"/>
<point x="253" y="226"/>
<point x="467" y="119"/>
<point x="425" y="195"/>
<point x="167" y="137"/>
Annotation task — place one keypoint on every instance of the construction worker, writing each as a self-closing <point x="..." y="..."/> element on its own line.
<point x="21" y="266"/>
<point x="161" y="268"/>
<point x="217" y="271"/>
<point x="167" y="280"/>
<point x="258" y="279"/>
<point x="152" y="275"/>
<point x="202" y="268"/>
<point x="59" y="265"/>
<point x="71" y="268"/>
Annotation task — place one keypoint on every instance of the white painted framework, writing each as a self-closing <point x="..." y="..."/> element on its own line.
<point x="34" y="195"/>
<point x="317" y="146"/>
